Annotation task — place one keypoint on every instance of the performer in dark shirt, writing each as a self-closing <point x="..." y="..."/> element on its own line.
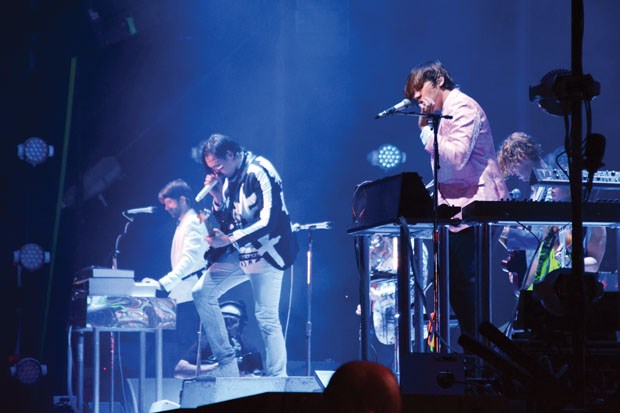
<point x="248" y="358"/>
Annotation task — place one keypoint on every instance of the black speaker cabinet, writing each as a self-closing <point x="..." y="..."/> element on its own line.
<point x="440" y="374"/>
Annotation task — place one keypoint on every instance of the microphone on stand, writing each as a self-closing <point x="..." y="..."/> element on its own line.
<point x="144" y="210"/>
<point x="204" y="191"/>
<point x="403" y="104"/>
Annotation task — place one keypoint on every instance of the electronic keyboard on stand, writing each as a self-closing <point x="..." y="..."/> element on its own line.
<point x="531" y="212"/>
<point x="106" y="300"/>
<point x="111" y="299"/>
<point x="553" y="178"/>
<point x="398" y="206"/>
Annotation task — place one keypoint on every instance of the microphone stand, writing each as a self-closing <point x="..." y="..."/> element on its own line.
<point x="310" y="228"/>
<point x="118" y="240"/>
<point x="112" y="341"/>
<point x="434" y="119"/>
<point x="198" y="355"/>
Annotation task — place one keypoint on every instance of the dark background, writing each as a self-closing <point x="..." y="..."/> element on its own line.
<point x="295" y="81"/>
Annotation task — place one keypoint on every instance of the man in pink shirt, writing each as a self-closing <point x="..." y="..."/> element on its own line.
<point x="468" y="170"/>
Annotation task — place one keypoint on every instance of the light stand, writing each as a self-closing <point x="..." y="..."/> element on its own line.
<point x="561" y="93"/>
<point x="310" y="228"/>
<point x="564" y="97"/>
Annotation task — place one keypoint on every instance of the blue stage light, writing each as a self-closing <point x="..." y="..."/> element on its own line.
<point x="387" y="157"/>
<point x="35" y="151"/>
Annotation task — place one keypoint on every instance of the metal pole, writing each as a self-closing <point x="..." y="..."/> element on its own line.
<point x="403" y="298"/>
<point x="444" y="288"/>
<point x="198" y="348"/>
<point x="487" y="299"/>
<point x="417" y="302"/>
<point x="111" y="372"/>
<point x="362" y="246"/>
<point x="96" y="368"/>
<point x="309" y="299"/>
<point x="575" y="169"/>
<point x="159" y="358"/>
<point x="483" y="284"/>
<point x="142" y="376"/>
<point x="80" y="357"/>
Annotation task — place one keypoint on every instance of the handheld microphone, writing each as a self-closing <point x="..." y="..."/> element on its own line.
<point x="144" y="210"/>
<point x="403" y="104"/>
<point x="204" y="191"/>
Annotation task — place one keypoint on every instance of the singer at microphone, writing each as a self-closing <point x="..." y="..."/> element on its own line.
<point x="254" y="219"/>
<point x="403" y="104"/>
<point x="464" y="167"/>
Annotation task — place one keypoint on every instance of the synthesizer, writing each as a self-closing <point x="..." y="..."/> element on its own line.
<point x="110" y="298"/>
<point x="547" y="178"/>
<point x="531" y="212"/>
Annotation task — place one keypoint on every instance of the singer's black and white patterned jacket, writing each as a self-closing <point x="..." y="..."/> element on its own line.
<point x="261" y="226"/>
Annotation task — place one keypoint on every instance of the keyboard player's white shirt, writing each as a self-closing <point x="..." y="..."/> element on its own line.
<point x="186" y="256"/>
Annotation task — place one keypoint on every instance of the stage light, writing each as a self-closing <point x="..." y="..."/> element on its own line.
<point x="387" y="157"/>
<point x="34" y="151"/>
<point x="28" y="370"/>
<point x="31" y="257"/>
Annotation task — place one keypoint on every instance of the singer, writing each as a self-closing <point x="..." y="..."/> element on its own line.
<point x="249" y="204"/>
<point x="186" y="257"/>
<point x="468" y="170"/>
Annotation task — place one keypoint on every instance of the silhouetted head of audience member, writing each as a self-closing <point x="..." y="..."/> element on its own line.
<point x="363" y="387"/>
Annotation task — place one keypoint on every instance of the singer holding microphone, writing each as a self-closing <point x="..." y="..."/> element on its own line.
<point x="248" y="202"/>
<point x="468" y="170"/>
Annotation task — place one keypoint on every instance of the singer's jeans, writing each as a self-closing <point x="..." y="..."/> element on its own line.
<point x="266" y="285"/>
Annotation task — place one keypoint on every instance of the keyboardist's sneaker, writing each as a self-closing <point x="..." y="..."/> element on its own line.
<point x="224" y="370"/>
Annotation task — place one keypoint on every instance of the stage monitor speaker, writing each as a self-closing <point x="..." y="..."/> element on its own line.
<point x="171" y="390"/>
<point x="441" y="374"/>
<point x="203" y="391"/>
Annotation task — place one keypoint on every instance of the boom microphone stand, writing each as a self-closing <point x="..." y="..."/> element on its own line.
<point x="112" y="342"/>
<point x="442" y="314"/>
<point x="310" y="228"/>
<point x="118" y="240"/>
